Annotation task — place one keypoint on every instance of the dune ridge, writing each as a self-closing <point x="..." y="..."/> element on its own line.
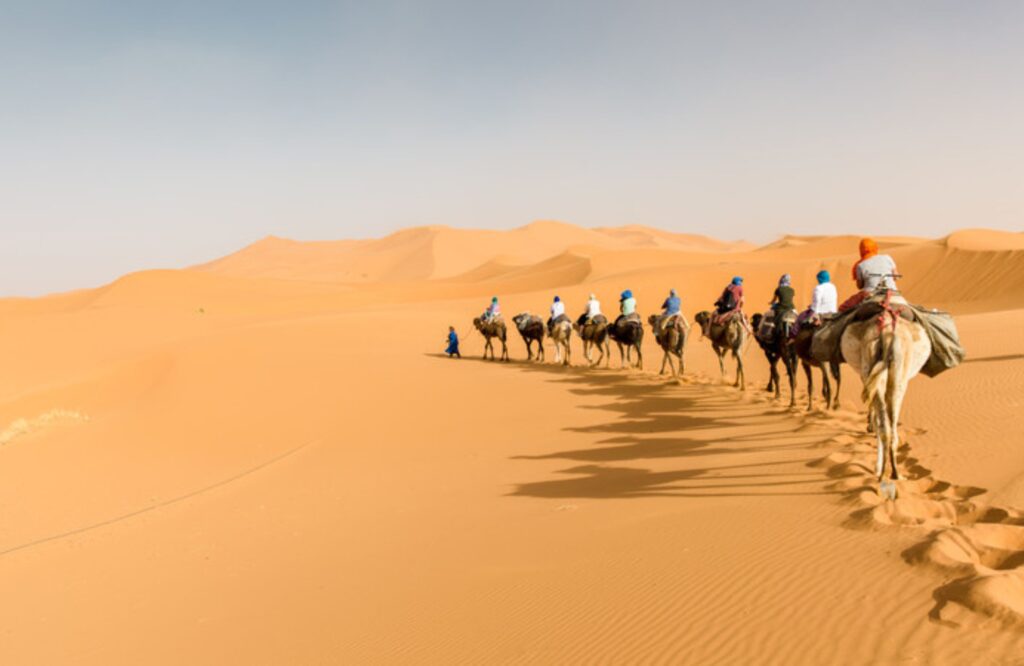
<point x="470" y="512"/>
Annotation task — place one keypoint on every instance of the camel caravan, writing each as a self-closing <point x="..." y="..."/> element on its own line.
<point x="887" y="340"/>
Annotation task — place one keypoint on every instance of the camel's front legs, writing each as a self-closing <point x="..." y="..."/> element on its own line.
<point x="741" y="377"/>
<point x="664" y="360"/>
<point x="721" y="362"/>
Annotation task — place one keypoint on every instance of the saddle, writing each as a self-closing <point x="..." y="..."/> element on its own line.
<point x="526" y="321"/>
<point x="947" y="352"/>
<point x="625" y="320"/>
<point x="773" y="319"/>
<point x="553" y="322"/>
<point x="666" y="322"/>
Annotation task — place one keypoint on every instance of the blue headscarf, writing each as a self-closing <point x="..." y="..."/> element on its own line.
<point x="737" y="280"/>
<point x="824" y="277"/>
<point x="557" y="299"/>
<point x="627" y="294"/>
<point x="785" y="280"/>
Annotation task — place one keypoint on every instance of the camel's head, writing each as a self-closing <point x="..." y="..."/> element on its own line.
<point x="702" y="317"/>
<point x="478" y="323"/>
<point x="652" y="320"/>
<point x="755" y="321"/>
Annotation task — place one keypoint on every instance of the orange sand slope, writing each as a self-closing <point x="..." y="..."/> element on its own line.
<point x="265" y="460"/>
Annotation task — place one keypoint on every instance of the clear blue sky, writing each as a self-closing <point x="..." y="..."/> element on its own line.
<point x="142" y="134"/>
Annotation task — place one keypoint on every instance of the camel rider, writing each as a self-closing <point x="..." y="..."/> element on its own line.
<point x="782" y="299"/>
<point x="824" y="300"/>
<point x="728" y="304"/>
<point x="627" y="306"/>
<point x="593" y="309"/>
<point x="870" y="273"/>
<point x="557" y="311"/>
<point x="670" y="309"/>
<point x="731" y="299"/>
<point x="493" y="310"/>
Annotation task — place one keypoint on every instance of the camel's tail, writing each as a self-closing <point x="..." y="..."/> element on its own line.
<point x="876" y="383"/>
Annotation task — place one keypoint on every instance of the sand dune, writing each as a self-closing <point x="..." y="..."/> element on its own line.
<point x="265" y="460"/>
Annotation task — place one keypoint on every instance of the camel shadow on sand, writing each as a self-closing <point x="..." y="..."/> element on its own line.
<point x="720" y="441"/>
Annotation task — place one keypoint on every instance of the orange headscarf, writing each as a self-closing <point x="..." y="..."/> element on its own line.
<point x="868" y="249"/>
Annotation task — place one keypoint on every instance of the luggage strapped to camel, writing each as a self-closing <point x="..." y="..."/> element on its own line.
<point x="947" y="352"/>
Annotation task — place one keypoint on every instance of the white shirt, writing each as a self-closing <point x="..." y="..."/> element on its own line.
<point x="557" y="309"/>
<point x="825" y="299"/>
<point x="871" y="271"/>
<point x="593" y="307"/>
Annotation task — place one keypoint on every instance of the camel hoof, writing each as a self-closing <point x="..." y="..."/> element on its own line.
<point x="887" y="489"/>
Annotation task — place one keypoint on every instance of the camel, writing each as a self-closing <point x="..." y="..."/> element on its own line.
<point x="802" y="347"/>
<point x="887" y="351"/>
<point x="595" y="334"/>
<point x="561" y="334"/>
<point x="672" y="341"/>
<point x="778" y="347"/>
<point x="725" y="337"/>
<point x="531" y="327"/>
<point x="494" y="328"/>
<point x="628" y="334"/>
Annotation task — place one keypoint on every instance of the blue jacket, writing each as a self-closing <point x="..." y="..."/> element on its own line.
<point x="453" y="344"/>
<point x="672" y="305"/>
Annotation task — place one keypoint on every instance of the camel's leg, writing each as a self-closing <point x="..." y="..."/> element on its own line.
<point x="622" y="355"/>
<point x="607" y="354"/>
<point x="773" y="374"/>
<point x="810" y="384"/>
<point x="639" y="357"/>
<point x="664" y="360"/>
<point x="721" y="362"/>
<point x="883" y="433"/>
<point x="791" y="371"/>
<point x="837" y="374"/>
<point x="741" y="376"/>
<point x="504" y="350"/>
<point x="487" y="345"/>
<point x="826" y="388"/>
<point x="894" y="398"/>
<point x="568" y="353"/>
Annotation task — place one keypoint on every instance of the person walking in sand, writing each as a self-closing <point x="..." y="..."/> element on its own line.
<point x="453" y="344"/>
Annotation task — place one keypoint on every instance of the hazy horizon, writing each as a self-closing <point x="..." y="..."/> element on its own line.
<point x="163" y="136"/>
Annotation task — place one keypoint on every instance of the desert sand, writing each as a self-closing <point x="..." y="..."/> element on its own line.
<point x="267" y="460"/>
